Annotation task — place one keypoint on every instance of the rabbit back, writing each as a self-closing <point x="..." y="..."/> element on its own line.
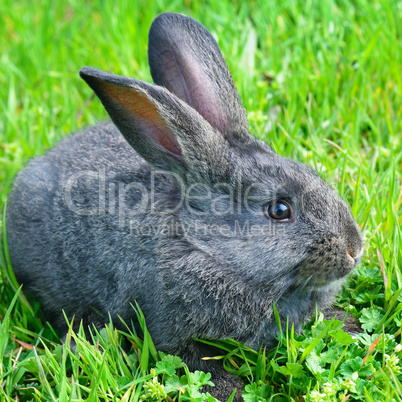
<point x="67" y="242"/>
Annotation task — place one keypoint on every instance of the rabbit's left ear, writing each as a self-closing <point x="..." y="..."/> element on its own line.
<point x="163" y="129"/>
<point x="185" y="59"/>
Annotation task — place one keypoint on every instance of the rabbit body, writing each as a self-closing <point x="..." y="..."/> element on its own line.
<point x="170" y="205"/>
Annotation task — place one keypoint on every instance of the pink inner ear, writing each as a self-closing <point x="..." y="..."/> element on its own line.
<point x="138" y="108"/>
<point x="203" y="96"/>
<point x="190" y="83"/>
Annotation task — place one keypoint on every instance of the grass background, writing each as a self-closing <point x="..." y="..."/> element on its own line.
<point x="322" y="83"/>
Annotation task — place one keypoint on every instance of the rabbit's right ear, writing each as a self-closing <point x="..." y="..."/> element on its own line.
<point x="185" y="59"/>
<point x="164" y="130"/>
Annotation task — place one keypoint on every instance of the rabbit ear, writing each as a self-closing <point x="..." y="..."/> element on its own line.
<point x="185" y="58"/>
<point x="154" y="122"/>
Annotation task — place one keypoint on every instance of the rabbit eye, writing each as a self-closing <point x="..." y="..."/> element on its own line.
<point x="279" y="211"/>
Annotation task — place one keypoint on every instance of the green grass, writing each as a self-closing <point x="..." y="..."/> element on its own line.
<point x="322" y="83"/>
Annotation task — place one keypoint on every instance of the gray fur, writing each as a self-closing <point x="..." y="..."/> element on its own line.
<point x="84" y="238"/>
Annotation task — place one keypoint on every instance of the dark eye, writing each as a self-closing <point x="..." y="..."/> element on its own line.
<point x="279" y="211"/>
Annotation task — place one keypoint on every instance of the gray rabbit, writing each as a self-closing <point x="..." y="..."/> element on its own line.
<point x="175" y="205"/>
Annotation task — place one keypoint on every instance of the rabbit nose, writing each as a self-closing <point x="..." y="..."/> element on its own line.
<point x="354" y="255"/>
<point x="354" y="244"/>
<point x="351" y="257"/>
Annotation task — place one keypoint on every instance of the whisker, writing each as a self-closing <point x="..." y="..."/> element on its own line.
<point x="289" y="285"/>
<point x="284" y="275"/>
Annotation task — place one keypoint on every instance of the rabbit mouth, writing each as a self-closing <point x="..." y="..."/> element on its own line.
<point x="309" y="277"/>
<point x="310" y="285"/>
